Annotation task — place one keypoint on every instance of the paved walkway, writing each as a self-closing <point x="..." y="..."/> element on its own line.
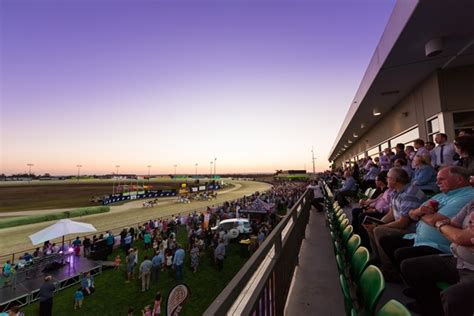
<point x="315" y="289"/>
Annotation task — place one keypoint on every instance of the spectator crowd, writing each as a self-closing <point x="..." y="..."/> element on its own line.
<point x="418" y="220"/>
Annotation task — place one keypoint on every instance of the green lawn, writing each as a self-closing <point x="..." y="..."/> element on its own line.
<point x="113" y="296"/>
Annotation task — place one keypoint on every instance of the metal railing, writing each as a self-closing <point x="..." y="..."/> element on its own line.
<point x="261" y="286"/>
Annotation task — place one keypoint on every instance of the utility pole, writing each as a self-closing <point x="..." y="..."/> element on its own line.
<point x="312" y="153"/>
<point x="78" y="171"/>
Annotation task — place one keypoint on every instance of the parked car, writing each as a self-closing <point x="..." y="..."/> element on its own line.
<point x="235" y="227"/>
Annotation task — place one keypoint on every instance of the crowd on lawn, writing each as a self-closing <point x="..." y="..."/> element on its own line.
<point x="162" y="250"/>
<point x="424" y="198"/>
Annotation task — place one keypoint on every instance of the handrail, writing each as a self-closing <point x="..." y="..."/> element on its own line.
<point x="224" y="301"/>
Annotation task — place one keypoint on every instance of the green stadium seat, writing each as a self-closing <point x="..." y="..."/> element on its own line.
<point x="347" y="233"/>
<point x="346" y="292"/>
<point x="371" y="286"/>
<point x="352" y="244"/>
<point x="359" y="262"/>
<point x="443" y="285"/>
<point x="393" y="308"/>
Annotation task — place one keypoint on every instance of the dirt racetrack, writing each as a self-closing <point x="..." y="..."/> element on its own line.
<point x="16" y="239"/>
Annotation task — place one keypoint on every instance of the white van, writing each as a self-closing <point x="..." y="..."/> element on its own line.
<point x="234" y="227"/>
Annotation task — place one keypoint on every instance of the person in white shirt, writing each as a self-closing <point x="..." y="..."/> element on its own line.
<point x="318" y="198"/>
<point x="443" y="153"/>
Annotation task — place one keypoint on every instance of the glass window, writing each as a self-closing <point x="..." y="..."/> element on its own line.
<point x="374" y="152"/>
<point x="463" y="120"/>
<point x="406" y="138"/>
<point x="433" y="128"/>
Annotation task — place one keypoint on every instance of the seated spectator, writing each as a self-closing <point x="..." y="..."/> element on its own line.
<point x="348" y="189"/>
<point x="464" y="147"/>
<point x="455" y="193"/>
<point x="425" y="175"/>
<point x="402" y="163"/>
<point x="397" y="222"/>
<point x="422" y="273"/>
<point x="376" y="207"/>
<point x="410" y="154"/>
<point x="87" y="284"/>
<point x="369" y="177"/>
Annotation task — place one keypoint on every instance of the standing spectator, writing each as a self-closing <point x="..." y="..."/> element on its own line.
<point x="443" y="153"/>
<point x="147" y="239"/>
<point x="157" y="263"/>
<point x="77" y="246"/>
<point x="46" y="293"/>
<point x="194" y="257"/>
<point x="145" y="273"/>
<point x="78" y="298"/>
<point x="318" y="198"/>
<point x="87" y="246"/>
<point x="421" y="150"/>
<point x="110" y="242"/>
<point x="157" y="304"/>
<point x="130" y="261"/>
<point x="178" y="262"/>
<point x="117" y="262"/>
<point x="128" y="242"/>
<point x="464" y="146"/>
<point x="399" y="153"/>
<point x="219" y="255"/>
<point x="385" y="159"/>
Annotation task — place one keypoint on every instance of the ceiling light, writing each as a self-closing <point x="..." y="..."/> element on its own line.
<point x="345" y="145"/>
<point x="362" y="125"/>
<point x="355" y="135"/>
<point x="376" y="112"/>
<point x="349" y="141"/>
<point x="434" y="47"/>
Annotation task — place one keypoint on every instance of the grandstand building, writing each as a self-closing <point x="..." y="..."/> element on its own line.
<point x="419" y="82"/>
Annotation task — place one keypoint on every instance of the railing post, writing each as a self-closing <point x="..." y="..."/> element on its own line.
<point x="277" y="246"/>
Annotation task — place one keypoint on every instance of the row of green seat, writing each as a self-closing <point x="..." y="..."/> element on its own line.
<point x="362" y="284"/>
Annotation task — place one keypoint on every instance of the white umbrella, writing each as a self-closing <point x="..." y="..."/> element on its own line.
<point x="60" y="229"/>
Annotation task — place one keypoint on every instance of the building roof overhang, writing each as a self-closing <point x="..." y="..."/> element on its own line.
<point x="399" y="62"/>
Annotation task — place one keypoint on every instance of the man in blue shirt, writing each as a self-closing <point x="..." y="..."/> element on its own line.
<point x="456" y="192"/>
<point x="178" y="262"/>
<point x="349" y="188"/>
<point x="157" y="263"/>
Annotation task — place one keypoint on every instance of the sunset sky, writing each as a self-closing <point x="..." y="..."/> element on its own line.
<point x="255" y="83"/>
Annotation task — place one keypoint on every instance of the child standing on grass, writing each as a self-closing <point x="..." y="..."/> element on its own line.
<point x="147" y="311"/>
<point x="117" y="262"/>
<point x="78" y="298"/>
<point x="157" y="305"/>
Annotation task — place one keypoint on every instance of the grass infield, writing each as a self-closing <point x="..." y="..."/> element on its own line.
<point x="113" y="296"/>
<point x="18" y="221"/>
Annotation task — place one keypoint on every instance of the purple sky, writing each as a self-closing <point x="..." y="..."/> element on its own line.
<point x="137" y="83"/>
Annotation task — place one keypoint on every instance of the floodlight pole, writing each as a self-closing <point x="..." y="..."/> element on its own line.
<point x="312" y="153"/>
<point x="149" y="166"/>
<point x="78" y="171"/>
<point x="196" y="165"/>
<point x="210" y="169"/>
<point x="175" y="166"/>
<point x="215" y="163"/>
